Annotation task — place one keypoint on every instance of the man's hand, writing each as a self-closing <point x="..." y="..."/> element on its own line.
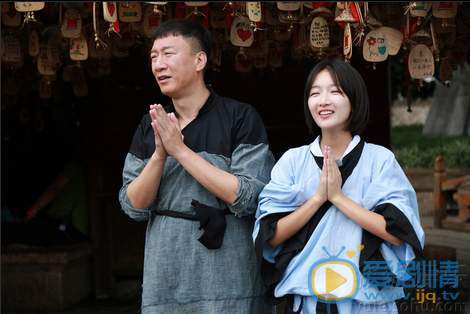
<point x="168" y="129"/>
<point x="160" y="151"/>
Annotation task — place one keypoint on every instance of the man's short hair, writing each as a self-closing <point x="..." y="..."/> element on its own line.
<point x="199" y="38"/>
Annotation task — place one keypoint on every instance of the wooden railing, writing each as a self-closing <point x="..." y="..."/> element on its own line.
<point x="460" y="189"/>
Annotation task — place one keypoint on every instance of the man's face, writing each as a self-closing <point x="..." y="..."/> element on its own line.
<point x="173" y="65"/>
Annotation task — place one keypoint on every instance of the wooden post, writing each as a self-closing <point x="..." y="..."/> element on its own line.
<point x="462" y="196"/>
<point x="440" y="210"/>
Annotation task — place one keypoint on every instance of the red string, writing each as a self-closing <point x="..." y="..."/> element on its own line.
<point x="178" y="10"/>
<point x="229" y="17"/>
<point x="405" y="61"/>
<point x="206" y="19"/>
<point x="353" y="9"/>
<point x="296" y="33"/>
<point x="413" y="26"/>
<point x="116" y="26"/>
<point x="193" y="16"/>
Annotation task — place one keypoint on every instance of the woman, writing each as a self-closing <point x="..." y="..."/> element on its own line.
<point x="317" y="205"/>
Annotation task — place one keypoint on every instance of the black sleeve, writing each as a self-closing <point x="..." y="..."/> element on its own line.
<point x="397" y="225"/>
<point x="270" y="274"/>
<point x="143" y="143"/>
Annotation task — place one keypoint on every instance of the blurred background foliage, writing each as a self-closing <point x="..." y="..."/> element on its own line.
<point x="412" y="150"/>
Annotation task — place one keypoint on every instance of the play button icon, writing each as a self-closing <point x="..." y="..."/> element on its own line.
<point x="333" y="280"/>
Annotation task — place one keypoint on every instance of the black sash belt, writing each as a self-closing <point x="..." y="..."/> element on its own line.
<point x="212" y="221"/>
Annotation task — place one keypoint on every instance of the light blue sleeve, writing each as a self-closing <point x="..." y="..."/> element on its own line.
<point x="291" y="185"/>
<point x="390" y="185"/>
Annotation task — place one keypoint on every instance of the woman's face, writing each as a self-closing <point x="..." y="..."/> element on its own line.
<point x="329" y="106"/>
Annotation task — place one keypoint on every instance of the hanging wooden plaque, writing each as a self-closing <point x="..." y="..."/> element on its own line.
<point x="29" y="6"/>
<point x="45" y="88"/>
<point x="282" y="33"/>
<point x="421" y="62"/>
<point x="71" y="24"/>
<point x="196" y="4"/>
<point x="127" y="39"/>
<point x="375" y="46"/>
<point x="151" y="22"/>
<point x="68" y="72"/>
<point x="463" y="25"/>
<point x="260" y="62"/>
<point x="459" y="51"/>
<point x="275" y="56"/>
<point x="341" y="5"/>
<point x="131" y="13"/>
<point x="289" y="16"/>
<point x="104" y="68"/>
<point x="447" y="28"/>
<point x="394" y="39"/>
<point x="73" y="4"/>
<point x="322" y="11"/>
<point x="33" y="44"/>
<point x="254" y="11"/>
<point x="420" y="9"/>
<point x="81" y="89"/>
<point x="444" y="10"/>
<point x="110" y="11"/>
<point x="78" y="50"/>
<point x="241" y="33"/>
<point x="120" y="51"/>
<point x="11" y="17"/>
<point x="243" y="65"/>
<point x="45" y="67"/>
<point x="260" y="47"/>
<point x="347" y="40"/>
<point x="5" y="6"/>
<point x="319" y="33"/>
<point x="216" y="55"/>
<point x="445" y="70"/>
<point x="53" y="50"/>
<point x="392" y="8"/>
<point x="272" y="15"/>
<point x="11" y="49"/>
<point x="18" y="64"/>
<point x="218" y="16"/>
<point x="105" y="51"/>
<point x="288" y="6"/>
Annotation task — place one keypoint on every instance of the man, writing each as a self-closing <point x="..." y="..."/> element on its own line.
<point x="194" y="171"/>
<point x="59" y="216"/>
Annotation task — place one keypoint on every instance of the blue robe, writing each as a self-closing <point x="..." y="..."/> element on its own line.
<point x="377" y="183"/>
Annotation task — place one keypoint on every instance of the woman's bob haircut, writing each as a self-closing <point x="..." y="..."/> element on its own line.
<point x="350" y="82"/>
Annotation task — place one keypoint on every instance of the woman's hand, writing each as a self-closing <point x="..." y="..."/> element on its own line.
<point x="334" y="179"/>
<point x="322" y="193"/>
